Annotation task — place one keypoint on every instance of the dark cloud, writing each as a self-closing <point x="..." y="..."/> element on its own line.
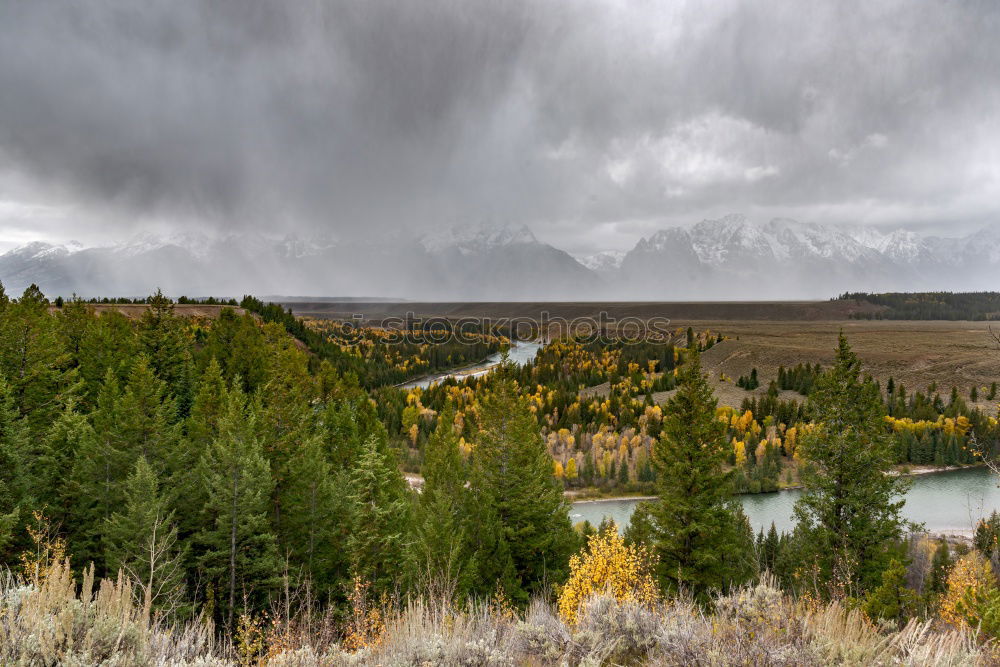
<point x="606" y="118"/>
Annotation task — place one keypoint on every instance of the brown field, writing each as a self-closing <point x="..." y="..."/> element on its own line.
<point x="680" y="310"/>
<point x="959" y="354"/>
<point x="764" y="335"/>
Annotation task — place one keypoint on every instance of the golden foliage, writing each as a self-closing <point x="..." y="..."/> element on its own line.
<point x="607" y="565"/>
<point x="49" y="551"/>
<point x="972" y="576"/>
<point x="366" y="627"/>
<point x="740" y="451"/>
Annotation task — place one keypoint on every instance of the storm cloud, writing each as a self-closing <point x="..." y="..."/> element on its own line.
<point x="592" y="121"/>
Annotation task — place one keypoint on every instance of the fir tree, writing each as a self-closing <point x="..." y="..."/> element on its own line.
<point x="438" y="551"/>
<point x="144" y="419"/>
<point x="109" y="344"/>
<point x="851" y="504"/>
<point x="522" y="536"/>
<point x="33" y="361"/>
<point x="14" y="481"/>
<point x="141" y="540"/>
<point x="315" y="516"/>
<point x="239" y="553"/>
<point x="698" y="530"/>
<point x="68" y="487"/>
<point x="162" y="339"/>
<point x="380" y="506"/>
<point x="940" y="569"/>
<point x="892" y="600"/>
<point x="208" y="407"/>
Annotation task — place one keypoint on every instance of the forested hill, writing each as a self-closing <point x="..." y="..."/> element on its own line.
<point x="236" y="458"/>
<point x="928" y="305"/>
<point x="219" y="429"/>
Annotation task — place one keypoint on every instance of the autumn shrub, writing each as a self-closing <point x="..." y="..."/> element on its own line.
<point x="60" y="622"/>
<point x="55" y="622"/>
<point x="971" y="584"/>
<point x="608" y="565"/>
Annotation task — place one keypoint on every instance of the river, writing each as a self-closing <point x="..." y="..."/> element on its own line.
<point x="520" y="353"/>
<point x="949" y="501"/>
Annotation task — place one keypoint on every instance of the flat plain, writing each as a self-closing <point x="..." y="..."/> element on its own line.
<point x="762" y="335"/>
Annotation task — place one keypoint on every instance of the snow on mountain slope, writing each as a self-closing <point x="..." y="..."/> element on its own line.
<point x="733" y="257"/>
<point x="607" y="261"/>
<point x="729" y="258"/>
<point x="477" y="239"/>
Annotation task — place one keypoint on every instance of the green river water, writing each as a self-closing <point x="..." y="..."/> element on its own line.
<point x="943" y="502"/>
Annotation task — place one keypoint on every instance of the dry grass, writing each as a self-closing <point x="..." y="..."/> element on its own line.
<point x="57" y="622"/>
<point x="914" y="353"/>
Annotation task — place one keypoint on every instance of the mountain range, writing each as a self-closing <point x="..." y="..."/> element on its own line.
<point x="731" y="258"/>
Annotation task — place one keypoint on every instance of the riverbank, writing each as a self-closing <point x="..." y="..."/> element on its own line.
<point x="520" y="352"/>
<point x="594" y="495"/>
<point x="947" y="503"/>
<point x="483" y="364"/>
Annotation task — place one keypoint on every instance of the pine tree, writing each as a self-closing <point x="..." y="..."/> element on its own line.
<point x="98" y="469"/>
<point x="201" y="429"/>
<point x="162" y="339"/>
<point x="317" y="518"/>
<point x="347" y="422"/>
<point x="239" y="552"/>
<point x="698" y="531"/>
<point x="140" y="540"/>
<point x="14" y="483"/>
<point x="380" y="522"/>
<point x="851" y="504"/>
<point x="73" y="321"/>
<point x="109" y="344"/>
<point x="32" y="359"/>
<point x="623" y="478"/>
<point x="443" y="469"/>
<point x="520" y="529"/>
<point x="892" y="600"/>
<point x="438" y="552"/>
<point x="208" y="407"/>
<point x="286" y="418"/>
<point x="940" y="569"/>
<point x="144" y="420"/>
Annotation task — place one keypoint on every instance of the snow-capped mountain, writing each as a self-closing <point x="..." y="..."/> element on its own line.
<point x="604" y="263"/>
<point x="729" y="258"/>
<point x="735" y="258"/>
<point x="490" y="262"/>
<point x="477" y="239"/>
<point x="485" y="262"/>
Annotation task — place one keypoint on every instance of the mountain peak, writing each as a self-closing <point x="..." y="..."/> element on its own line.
<point x="478" y="238"/>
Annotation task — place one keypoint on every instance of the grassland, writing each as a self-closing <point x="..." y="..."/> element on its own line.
<point x="764" y="335"/>
<point x="917" y="354"/>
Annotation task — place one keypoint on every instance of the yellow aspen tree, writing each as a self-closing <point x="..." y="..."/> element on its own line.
<point x="971" y="578"/>
<point x="740" y="450"/>
<point x="607" y="566"/>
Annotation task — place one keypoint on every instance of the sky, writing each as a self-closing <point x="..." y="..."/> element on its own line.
<point x="594" y="122"/>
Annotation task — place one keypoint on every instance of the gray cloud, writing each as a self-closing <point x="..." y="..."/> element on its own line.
<point x="603" y="119"/>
